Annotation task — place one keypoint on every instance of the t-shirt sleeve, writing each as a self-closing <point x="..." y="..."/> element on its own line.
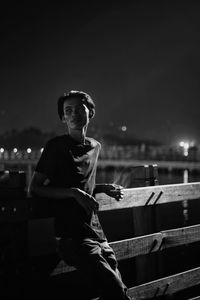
<point x="46" y="163"/>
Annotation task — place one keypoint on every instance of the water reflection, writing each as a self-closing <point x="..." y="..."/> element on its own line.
<point x="124" y="176"/>
<point x="185" y="202"/>
<point x="185" y="176"/>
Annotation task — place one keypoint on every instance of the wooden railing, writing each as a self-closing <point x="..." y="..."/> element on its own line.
<point x="131" y="226"/>
<point x="154" y="242"/>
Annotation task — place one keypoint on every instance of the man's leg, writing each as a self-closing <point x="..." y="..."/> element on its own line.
<point x="110" y="257"/>
<point x="88" y="257"/>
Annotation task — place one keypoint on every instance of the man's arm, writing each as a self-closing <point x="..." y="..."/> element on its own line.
<point x="39" y="187"/>
<point x="113" y="190"/>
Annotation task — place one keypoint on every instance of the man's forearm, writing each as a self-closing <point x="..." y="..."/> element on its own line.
<point x="100" y="188"/>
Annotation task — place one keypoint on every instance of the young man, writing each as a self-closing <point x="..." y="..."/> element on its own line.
<point x="66" y="174"/>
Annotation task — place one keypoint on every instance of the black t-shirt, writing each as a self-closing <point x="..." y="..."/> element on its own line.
<point x="68" y="163"/>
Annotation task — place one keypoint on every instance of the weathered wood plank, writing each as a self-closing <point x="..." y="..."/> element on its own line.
<point x="125" y="249"/>
<point x="166" y="286"/>
<point x="142" y="245"/>
<point x="157" y="241"/>
<point x="137" y="246"/>
<point x="151" y="195"/>
<point x="180" y="236"/>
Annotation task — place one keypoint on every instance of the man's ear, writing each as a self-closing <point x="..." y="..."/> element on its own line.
<point x="63" y="119"/>
<point x="92" y="113"/>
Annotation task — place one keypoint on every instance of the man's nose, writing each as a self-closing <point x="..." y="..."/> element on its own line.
<point x="76" y="112"/>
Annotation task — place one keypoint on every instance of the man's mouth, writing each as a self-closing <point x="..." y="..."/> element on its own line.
<point x="76" y="121"/>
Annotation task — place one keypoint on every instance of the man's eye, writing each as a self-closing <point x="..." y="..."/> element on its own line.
<point x="68" y="110"/>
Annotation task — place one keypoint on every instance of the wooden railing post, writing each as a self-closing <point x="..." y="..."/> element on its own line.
<point x="144" y="221"/>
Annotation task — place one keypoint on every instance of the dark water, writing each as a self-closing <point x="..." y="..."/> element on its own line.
<point x="182" y="176"/>
<point x="123" y="176"/>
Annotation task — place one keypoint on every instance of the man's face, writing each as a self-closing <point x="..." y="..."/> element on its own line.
<point x="76" y="113"/>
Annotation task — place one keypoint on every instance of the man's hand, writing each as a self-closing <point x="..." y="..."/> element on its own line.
<point x="85" y="200"/>
<point x="114" y="190"/>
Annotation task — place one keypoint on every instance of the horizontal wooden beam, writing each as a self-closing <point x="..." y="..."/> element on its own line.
<point x="129" y="248"/>
<point x="142" y="245"/>
<point x="166" y="286"/>
<point x="133" y="197"/>
<point x="155" y="242"/>
<point x="151" y="195"/>
<point x="180" y="236"/>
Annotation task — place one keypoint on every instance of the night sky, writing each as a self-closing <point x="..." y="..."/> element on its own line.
<point x="140" y="61"/>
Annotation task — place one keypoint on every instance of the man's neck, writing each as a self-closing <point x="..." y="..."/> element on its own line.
<point x="78" y="135"/>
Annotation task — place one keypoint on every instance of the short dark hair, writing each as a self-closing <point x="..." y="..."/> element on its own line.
<point x="86" y="99"/>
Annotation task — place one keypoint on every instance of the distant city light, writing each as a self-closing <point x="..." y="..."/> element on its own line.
<point x="15" y="150"/>
<point x="123" y="128"/>
<point x="28" y="150"/>
<point x="186" y="146"/>
<point x="2" y="150"/>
